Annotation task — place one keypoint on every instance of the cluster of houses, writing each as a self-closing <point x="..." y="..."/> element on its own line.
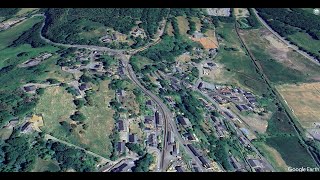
<point x="35" y="61"/>
<point x="220" y="127"/>
<point x="138" y="32"/>
<point x="243" y="100"/>
<point x="204" y="160"/>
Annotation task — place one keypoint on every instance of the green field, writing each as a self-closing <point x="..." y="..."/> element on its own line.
<point x="9" y="35"/>
<point x="279" y="124"/>
<point x="238" y="65"/>
<point x="306" y="41"/>
<point x="19" y="76"/>
<point x="291" y="151"/>
<point x="273" y="156"/>
<point x="57" y="105"/>
<point x="5" y="133"/>
<point x="45" y="166"/>
<point x="278" y="65"/>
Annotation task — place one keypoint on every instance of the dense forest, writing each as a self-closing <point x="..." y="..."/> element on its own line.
<point x="8" y="12"/>
<point x="286" y="21"/>
<point x="63" y="24"/>
<point x="30" y="37"/>
<point x="19" y="154"/>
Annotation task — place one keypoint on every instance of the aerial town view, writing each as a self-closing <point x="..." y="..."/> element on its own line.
<point x="159" y="90"/>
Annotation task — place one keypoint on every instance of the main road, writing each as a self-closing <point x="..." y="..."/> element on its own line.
<point x="165" y="112"/>
<point x="288" y="43"/>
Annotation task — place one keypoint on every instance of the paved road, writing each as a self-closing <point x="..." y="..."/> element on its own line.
<point x="296" y="48"/>
<point x="167" y="117"/>
<point x="165" y="112"/>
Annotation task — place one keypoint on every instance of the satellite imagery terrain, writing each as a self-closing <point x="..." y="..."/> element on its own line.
<point x="159" y="90"/>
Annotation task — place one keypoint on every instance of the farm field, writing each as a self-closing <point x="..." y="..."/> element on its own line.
<point x="183" y="25"/>
<point x="273" y="155"/>
<point x="279" y="63"/>
<point x="304" y="100"/>
<point x="294" y="154"/>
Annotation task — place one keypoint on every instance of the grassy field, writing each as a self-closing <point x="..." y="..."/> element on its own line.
<point x="45" y="166"/>
<point x="170" y="29"/>
<point x="304" y="100"/>
<point x="100" y="122"/>
<point x="198" y="23"/>
<point x="9" y="35"/>
<point x="5" y="133"/>
<point x="183" y="25"/>
<point x="56" y="105"/>
<point x="26" y="10"/>
<point x="238" y="68"/>
<point x="279" y="124"/>
<point x="306" y="41"/>
<point x="273" y="156"/>
<point x="294" y="154"/>
<point x="140" y="61"/>
<point x="279" y="63"/>
<point x="19" y="76"/>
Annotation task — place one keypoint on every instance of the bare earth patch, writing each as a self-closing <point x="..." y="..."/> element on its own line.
<point x="241" y="12"/>
<point x="183" y="25"/>
<point x="304" y="101"/>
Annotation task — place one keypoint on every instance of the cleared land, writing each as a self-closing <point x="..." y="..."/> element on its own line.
<point x="304" y="100"/>
<point x="241" y="12"/>
<point x="170" y="29"/>
<point x="45" y="166"/>
<point x="279" y="63"/>
<point x="57" y="105"/>
<point x="6" y="132"/>
<point x="183" y="25"/>
<point x="274" y="156"/>
<point x="198" y="23"/>
<point x="26" y="10"/>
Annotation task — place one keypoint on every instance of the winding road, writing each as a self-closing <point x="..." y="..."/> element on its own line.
<point x="288" y="43"/>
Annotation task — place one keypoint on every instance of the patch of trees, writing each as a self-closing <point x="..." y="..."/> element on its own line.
<point x="79" y="103"/>
<point x="63" y="24"/>
<point x="78" y="116"/>
<point x="284" y="20"/>
<point x="135" y="148"/>
<point x="252" y="19"/>
<point x="192" y="26"/>
<point x="16" y="155"/>
<point x="69" y="157"/>
<point x="185" y="12"/>
<point x="14" y="103"/>
<point x="8" y="12"/>
<point x="31" y="37"/>
<point x="167" y="49"/>
<point x="143" y="164"/>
